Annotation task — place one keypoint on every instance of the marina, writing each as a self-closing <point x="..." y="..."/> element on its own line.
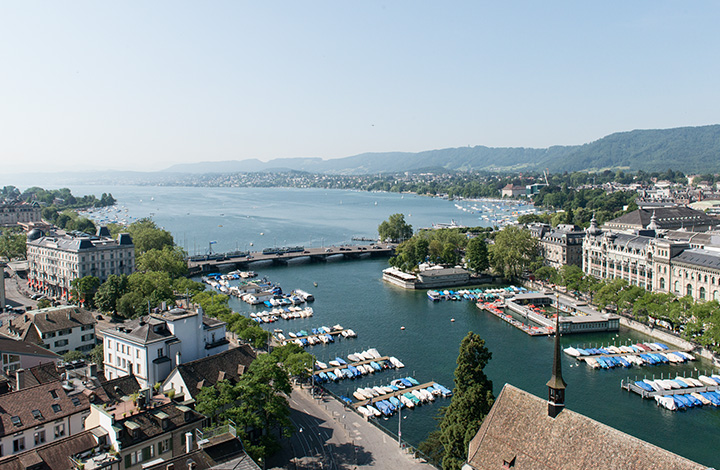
<point x="321" y="335"/>
<point x="404" y="322"/>
<point x="679" y="393"/>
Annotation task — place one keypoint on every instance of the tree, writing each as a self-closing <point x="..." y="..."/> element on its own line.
<point x="147" y="236"/>
<point x="44" y="303"/>
<point x="476" y="255"/>
<point x="471" y="402"/>
<point x="169" y="259"/>
<point x="84" y="289"/>
<point x="513" y="252"/>
<point x="572" y="276"/>
<point x="12" y="244"/>
<point x="395" y="229"/>
<point x="547" y="273"/>
<point x="73" y="356"/>
<point x="110" y="292"/>
<point x="97" y="355"/>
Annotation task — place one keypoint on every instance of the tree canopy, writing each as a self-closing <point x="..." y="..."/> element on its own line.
<point x="514" y="251"/>
<point x="395" y="229"/>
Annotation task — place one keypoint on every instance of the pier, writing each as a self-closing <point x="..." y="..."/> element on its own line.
<point x="332" y="333"/>
<point x="354" y="364"/>
<point x="241" y="261"/>
<point x="630" y="386"/>
<point x="593" y="356"/>
<point x="530" y="330"/>
<point x="403" y="391"/>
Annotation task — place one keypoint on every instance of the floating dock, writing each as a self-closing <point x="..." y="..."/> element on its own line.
<point x="318" y="335"/>
<point x="354" y="364"/>
<point x="403" y="391"/>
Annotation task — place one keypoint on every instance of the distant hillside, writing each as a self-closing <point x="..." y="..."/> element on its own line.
<point x="687" y="149"/>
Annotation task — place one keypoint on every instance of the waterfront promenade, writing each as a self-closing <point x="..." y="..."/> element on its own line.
<point x="331" y="436"/>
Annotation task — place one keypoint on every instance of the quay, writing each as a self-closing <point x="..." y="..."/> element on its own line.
<point x="354" y="364"/>
<point x="241" y="261"/>
<point x="372" y="400"/>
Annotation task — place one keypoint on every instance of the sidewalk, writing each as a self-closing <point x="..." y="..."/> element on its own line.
<point x="330" y="436"/>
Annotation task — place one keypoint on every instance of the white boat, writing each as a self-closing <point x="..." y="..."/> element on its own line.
<point x="419" y="395"/>
<point x="666" y="402"/>
<point x="368" y="392"/>
<point x="570" y="351"/>
<point x="406" y="401"/>
<point x="358" y="395"/>
<point x="377" y="391"/>
<point x="353" y="357"/>
<point x="321" y="365"/>
<point x="334" y="363"/>
<point x="592" y="362"/>
<point x="374" y="410"/>
<point x="707" y="380"/>
<point x="704" y="400"/>
<point x="374" y="353"/>
<point x="695" y="382"/>
<point x="365" y="412"/>
<point x="396" y="363"/>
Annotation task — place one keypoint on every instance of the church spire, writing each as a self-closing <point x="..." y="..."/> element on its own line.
<point x="556" y="384"/>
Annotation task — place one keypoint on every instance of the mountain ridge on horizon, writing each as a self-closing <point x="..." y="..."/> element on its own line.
<point x="687" y="149"/>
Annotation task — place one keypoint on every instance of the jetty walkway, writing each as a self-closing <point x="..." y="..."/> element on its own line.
<point x="241" y="261"/>
<point x="354" y="364"/>
<point x="397" y="393"/>
<point x="594" y="356"/>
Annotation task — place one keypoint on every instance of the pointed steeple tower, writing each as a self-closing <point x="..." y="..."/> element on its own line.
<point x="653" y="222"/>
<point x="556" y="384"/>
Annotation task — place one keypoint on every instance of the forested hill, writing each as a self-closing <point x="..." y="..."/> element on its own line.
<point x="686" y="149"/>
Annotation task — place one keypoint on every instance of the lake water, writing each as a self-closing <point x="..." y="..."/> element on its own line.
<point x="352" y="294"/>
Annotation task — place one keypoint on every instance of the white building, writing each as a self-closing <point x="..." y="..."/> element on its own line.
<point x="151" y="346"/>
<point x="59" y="329"/>
<point x="13" y="213"/>
<point x="54" y="261"/>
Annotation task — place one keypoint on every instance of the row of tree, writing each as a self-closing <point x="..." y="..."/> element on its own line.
<point x="698" y="322"/>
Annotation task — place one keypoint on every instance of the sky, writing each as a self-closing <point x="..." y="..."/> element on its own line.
<point x="142" y="85"/>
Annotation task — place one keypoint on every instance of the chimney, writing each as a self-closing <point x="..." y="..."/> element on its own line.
<point x="178" y="359"/>
<point x="20" y="379"/>
<point x="163" y="306"/>
<point x="188" y="442"/>
<point x="47" y="317"/>
<point x="69" y="314"/>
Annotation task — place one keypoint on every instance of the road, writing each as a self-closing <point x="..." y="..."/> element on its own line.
<point x="330" y="436"/>
<point x="13" y="296"/>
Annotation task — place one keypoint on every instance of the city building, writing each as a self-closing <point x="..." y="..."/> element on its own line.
<point x="58" y="454"/>
<point x="658" y="264"/>
<point x="12" y="213"/>
<point x="562" y="246"/>
<point x="512" y="190"/>
<point x="16" y="354"/>
<point x="187" y="379"/>
<point x="151" y="346"/>
<point x="40" y="414"/>
<point x="148" y="430"/>
<point x="523" y="431"/>
<point x="55" y="260"/>
<point x="428" y="277"/>
<point x="59" y="329"/>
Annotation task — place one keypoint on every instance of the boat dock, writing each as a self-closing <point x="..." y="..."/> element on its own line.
<point x="354" y="364"/>
<point x="530" y="330"/>
<point x="630" y="386"/>
<point x="393" y="394"/>
<point x="318" y="335"/>
<point x="595" y="356"/>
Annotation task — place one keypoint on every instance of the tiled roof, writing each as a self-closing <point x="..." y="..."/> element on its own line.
<point x="140" y="330"/>
<point x="205" y="372"/>
<point x="699" y="257"/>
<point x="52" y="456"/>
<point x="26" y="408"/>
<point x="47" y="320"/>
<point x="519" y="431"/>
<point x="120" y="387"/>
<point x="149" y="424"/>
<point x="14" y="346"/>
<point x="665" y="217"/>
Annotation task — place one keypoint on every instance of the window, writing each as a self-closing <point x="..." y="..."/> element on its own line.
<point x="53" y="393"/>
<point x="56" y="408"/>
<point x="16" y="421"/>
<point x="39" y="437"/>
<point x="75" y="401"/>
<point x="19" y="444"/>
<point x="161" y="353"/>
<point x="37" y="414"/>
<point x="688" y="289"/>
<point x="60" y="343"/>
<point x="59" y="430"/>
<point x="165" y="446"/>
<point x="702" y="293"/>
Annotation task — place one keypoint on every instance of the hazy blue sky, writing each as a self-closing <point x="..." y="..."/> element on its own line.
<point x="145" y="84"/>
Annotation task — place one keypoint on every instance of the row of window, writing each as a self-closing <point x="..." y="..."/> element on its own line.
<point x="148" y="453"/>
<point x="38" y="438"/>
